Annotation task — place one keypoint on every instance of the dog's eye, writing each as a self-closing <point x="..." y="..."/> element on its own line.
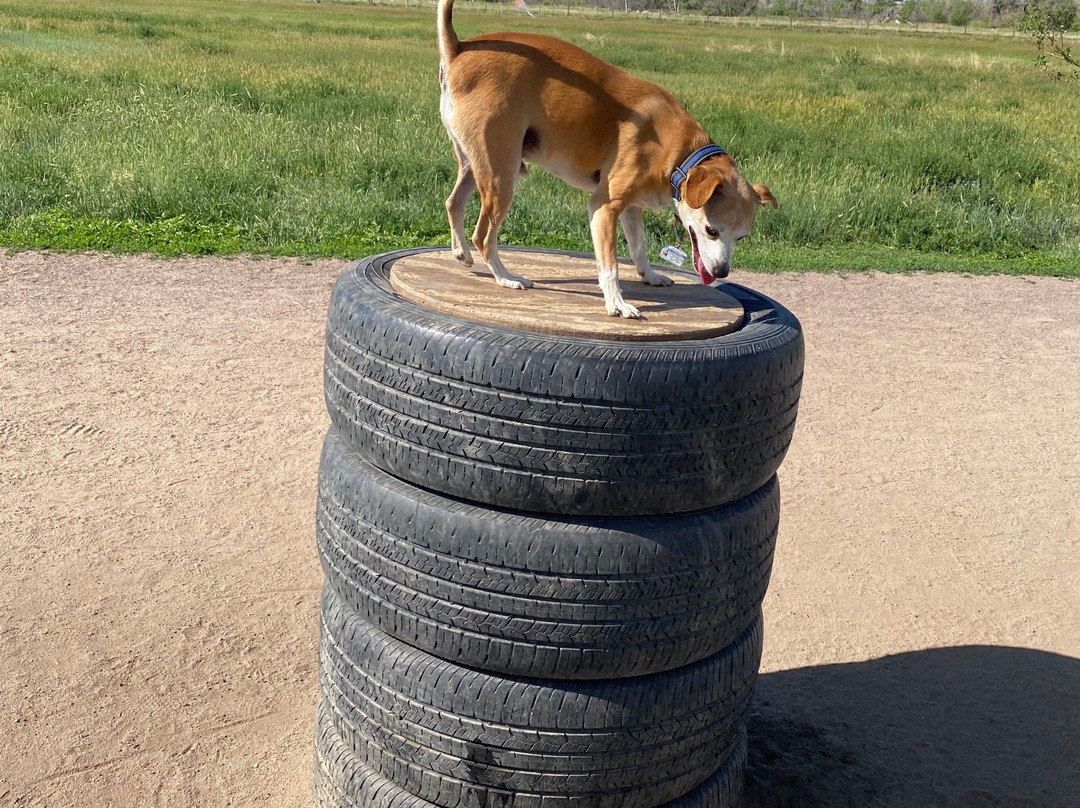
<point x="711" y="233"/>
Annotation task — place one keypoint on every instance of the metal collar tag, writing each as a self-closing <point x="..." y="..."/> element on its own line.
<point x="680" y="172"/>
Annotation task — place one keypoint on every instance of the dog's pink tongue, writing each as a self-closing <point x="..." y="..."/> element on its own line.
<point x="706" y="276"/>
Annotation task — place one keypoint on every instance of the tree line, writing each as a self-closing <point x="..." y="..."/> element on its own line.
<point x="994" y="13"/>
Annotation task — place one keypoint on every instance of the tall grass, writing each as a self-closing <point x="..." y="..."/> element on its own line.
<point x="313" y="129"/>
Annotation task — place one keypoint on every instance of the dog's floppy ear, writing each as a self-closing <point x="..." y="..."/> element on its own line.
<point x="701" y="183"/>
<point x="766" y="197"/>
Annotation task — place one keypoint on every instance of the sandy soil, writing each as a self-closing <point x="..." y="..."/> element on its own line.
<point x="160" y="424"/>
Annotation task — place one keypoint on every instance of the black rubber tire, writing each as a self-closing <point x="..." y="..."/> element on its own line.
<point x="461" y="737"/>
<point x="556" y="424"/>
<point x="539" y="596"/>
<point x="342" y="781"/>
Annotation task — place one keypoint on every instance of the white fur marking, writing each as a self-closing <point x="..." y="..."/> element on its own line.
<point x="614" y="303"/>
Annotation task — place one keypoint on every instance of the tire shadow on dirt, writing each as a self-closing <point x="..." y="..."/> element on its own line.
<point x="970" y="726"/>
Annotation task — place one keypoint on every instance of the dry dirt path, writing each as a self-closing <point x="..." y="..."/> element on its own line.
<point x="160" y="424"/>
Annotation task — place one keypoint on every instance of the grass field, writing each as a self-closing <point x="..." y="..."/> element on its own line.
<point x="313" y="129"/>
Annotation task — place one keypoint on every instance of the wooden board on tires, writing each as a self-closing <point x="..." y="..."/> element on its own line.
<point x="566" y="299"/>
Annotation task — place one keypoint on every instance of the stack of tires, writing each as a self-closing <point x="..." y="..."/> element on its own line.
<point x="545" y="556"/>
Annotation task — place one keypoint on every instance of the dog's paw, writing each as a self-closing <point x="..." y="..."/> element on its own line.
<point x="650" y="278"/>
<point x="620" y="308"/>
<point x="514" y="282"/>
<point x="464" y="256"/>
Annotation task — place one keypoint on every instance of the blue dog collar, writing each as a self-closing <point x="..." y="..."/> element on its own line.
<point x="679" y="174"/>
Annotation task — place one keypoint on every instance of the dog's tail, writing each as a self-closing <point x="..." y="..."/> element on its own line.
<point x="449" y="44"/>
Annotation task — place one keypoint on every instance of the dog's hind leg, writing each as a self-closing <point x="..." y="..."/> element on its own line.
<point x="634" y="229"/>
<point x="495" y="178"/>
<point x="455" y="206"/>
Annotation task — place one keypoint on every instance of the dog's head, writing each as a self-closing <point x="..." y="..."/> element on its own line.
<point x="717" y="207"/>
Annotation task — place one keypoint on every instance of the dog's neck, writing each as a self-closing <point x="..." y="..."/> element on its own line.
<point x="692" y="140"/>
<point x="680" y="174"/>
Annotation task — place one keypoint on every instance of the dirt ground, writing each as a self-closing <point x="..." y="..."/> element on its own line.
<point x="160" y="424"/>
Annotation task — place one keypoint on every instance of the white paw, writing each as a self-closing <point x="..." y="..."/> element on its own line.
<point x="463" y="256"/>
<point x="514" y="282"/>
<point x="650" y="278"/>
<point x="620" y="308"/>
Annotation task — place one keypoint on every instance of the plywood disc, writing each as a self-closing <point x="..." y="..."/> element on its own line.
<point x="566" y="299"/>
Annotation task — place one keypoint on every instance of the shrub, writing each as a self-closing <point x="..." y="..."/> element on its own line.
<point x="961" y="13"/>
<point x="1047" y="24"/>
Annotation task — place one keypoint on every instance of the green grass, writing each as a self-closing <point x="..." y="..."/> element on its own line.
<point x="313" y="130"/>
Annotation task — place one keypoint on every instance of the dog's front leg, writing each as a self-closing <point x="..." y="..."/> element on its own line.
<point x="633" y="228"/>
<point x="603" y="219"/>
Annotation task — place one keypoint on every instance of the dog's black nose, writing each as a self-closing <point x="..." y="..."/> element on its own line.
<point x="724" y="269"/>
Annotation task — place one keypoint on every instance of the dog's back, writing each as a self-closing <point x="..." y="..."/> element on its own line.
<point x="569" y="109"/>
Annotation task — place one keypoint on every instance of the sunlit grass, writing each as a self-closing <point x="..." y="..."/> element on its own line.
<point x="312" y="129"/>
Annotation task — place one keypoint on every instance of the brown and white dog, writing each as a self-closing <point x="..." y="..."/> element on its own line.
<point x="509" y="98"/>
